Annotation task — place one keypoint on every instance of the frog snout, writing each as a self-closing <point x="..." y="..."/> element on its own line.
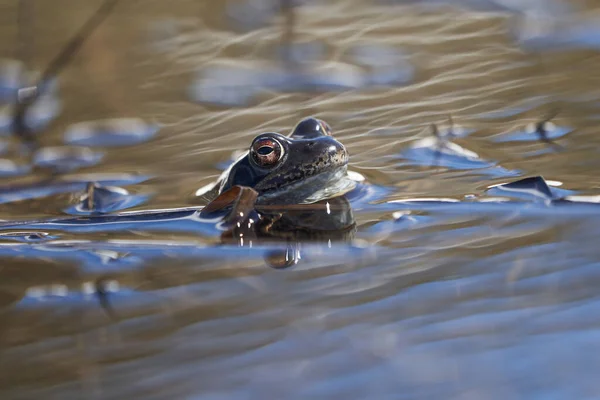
<point x="336" y="153"/>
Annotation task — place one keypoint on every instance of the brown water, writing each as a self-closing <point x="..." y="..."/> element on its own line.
<point x="479" y="300"/>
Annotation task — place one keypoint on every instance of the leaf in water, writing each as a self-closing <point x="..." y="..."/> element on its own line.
<point x="242" y="198"/>
<point x="222" y="201"/>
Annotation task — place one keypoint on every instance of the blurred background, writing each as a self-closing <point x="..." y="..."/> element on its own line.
<point x="482" y="293"/>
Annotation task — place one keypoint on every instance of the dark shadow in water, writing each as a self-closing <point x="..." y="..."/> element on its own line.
<point x="326" y="221"/>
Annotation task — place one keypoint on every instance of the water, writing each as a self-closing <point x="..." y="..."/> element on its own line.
<point x="428" y="281"/>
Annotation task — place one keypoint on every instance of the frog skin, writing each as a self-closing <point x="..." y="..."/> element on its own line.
<point x="307" y="166"/>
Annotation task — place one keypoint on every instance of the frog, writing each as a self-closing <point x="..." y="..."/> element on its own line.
<point x="304" y="167"/>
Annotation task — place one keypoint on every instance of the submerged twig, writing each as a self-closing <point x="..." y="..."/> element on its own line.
<point x="437" y="154"/>
<point x="102" y="293"/>
<point x="542" y="131"/>
<point x="288" y="32"/>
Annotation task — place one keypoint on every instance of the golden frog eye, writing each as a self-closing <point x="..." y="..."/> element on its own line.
<point x="266" y="152"/>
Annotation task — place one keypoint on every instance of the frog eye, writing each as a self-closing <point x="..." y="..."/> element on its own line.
<point x="266" y="152"/>
<point x="325" y="127"/>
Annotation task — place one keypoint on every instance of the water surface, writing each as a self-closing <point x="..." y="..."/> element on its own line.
<point x="446" y="287"/>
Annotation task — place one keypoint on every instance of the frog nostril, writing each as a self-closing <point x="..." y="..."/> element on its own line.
<point x="309" y="146"/>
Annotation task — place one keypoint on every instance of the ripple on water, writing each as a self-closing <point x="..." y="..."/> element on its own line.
<point x="433" y="152"/>
<point x="247" y="15"/>
<point x="225" y="85"/>
<point x="10" y="72"/>
<point x="302" y="52"/>
<point x="66" y="159"/>
<point x="323" y="77"/>
<point x="386" y="64"/>
<point x="27" y="237"/>
<point x="74" y="184"/>
<point x="519" y="108"/>
<point x="528" y="134"/>
<point x="110" y="132"/>
<point x="10" y="168"/>
<point x="232" y="85"/>
<point x="543" y="33"/>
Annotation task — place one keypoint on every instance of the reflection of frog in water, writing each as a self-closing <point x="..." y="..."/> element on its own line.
<point x="327" y="221"/>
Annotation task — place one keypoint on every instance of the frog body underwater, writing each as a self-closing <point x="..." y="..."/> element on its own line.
<point x="307" y="166"/>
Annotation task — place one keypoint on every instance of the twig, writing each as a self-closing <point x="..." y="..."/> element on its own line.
<point x="26" y="98"/>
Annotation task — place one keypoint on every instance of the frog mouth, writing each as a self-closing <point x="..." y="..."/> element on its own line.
<point x="326" y="183"/>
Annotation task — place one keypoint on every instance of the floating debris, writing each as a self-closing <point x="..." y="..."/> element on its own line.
<point x="100" y="199"/>
<point x="73" y="184"/>
<point x="110" y="132"/>
<point x="534" y="188"/>
<point x="531" y="133"/>
<point x="440" y="151"/>
<point x="66" y="159"/>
